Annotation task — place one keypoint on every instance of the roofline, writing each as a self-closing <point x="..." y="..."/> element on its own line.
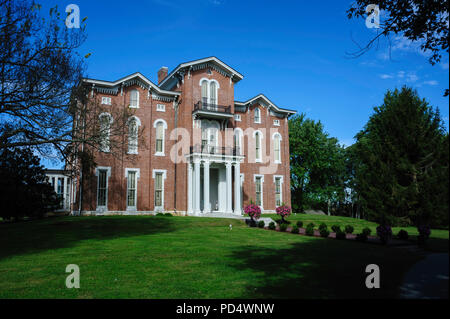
<point x="211" y="58"/>
<point x="262" y="96"/>
<point x="128" y="77"/>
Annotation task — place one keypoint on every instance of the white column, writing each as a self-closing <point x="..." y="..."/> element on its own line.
<point x="206" y="203"/>
<point x="190" y="187"/>
<point x="237" y="188"/>
<point x="197" y="187"/>
<point x="228" y="174"/>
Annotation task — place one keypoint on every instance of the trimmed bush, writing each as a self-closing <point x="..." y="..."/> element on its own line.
<point x="261" y="224"/>
<point x="349" y="229"/>
<point x="324" y="232"/>
<point x="384" y="232"/>
<point x="403" y="234"/>
<point x="336" y="228"/>
<point x="366" y="231"/>
<point x="168" y="214"/>
<point x="310" y="229"/>
<point x="323" y="226"/>
<point x="272" y="226"/>
<point x="160" y="214"/>
<point x="362" y="237"/>
<point x="299" y="224"/>
<point x="295" y="230"/>
<point x="283" y="227"/>
<point x="340" y="235"/>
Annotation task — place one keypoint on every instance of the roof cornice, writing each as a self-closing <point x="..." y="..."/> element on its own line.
<point x="269" y="102"/>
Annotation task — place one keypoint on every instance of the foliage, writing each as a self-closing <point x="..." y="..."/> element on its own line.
<point x="159" y="214"/>
<point x="424" y="233"/>
<point x="311" y="225"/>
<point x="340" y="234"/>
<point x="261" y="224"/>
<point x="324" y="232"/>
<point x="299" y="224"/>
<point x="252" y="210"/>
<point x="272" y="226"/>
<point x="283" y="227"/>
<point x="24" y="190"/>
<point x="283" y="211"/>
<point x="362" y="237"/>
<point x="402" y="234"/>
<point x="295" y="230"/>
<point x="336" y="228"/>
<point x="366" y="231"/>
<point x="323" y="226"/>
<point x="310" y="229"/>
<point x="384" y="232"/>
<point x="349" y="229"/>
<point x="168" y="214"/>
<point x="402" y="162"/>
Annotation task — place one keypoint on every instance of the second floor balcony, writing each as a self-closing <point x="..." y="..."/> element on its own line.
<point x="208" y="149"/>
<point x="203" y="109"/>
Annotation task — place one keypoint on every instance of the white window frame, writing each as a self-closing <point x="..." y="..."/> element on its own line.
<point x="255" y="176"/>
<point x="160" y="107"/>
<point x="208" y="86"/>
<point x="106" y="144"/>
<point x="137" y="171"/>
<point x="137" y="97"/>
<point x="163" y="137"/>
<point x="276" y="122"/>
<point x="281" y="177"/>
<point x="254" y="115"/>
<point x="237" y="117"/>
<point x="103" y="208"/>
<point x="260" y="134"/>
<point x="164" y="175"/>
<point x="277" y="161"/>
<point x="138" y="124"/>
<point x="106" y="100"/>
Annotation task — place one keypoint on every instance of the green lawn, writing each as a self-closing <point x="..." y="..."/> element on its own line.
<point x="187" y="257"/>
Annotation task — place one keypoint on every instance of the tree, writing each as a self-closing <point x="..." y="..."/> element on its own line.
<point x="317" y="165"/>
<point x="425" y="22"/>
<point x="402" y="161"/>
<point x="24" y="189"/>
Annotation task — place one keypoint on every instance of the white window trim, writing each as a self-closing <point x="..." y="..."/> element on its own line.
<point x="239" y="131"/>
<point x="108" y="174"/>
<point x="260" y="144"/>
<point x="138" y="123"/>
<point x="262" y="189"/>
<point x="111" y="120"/>
<point x="254" y="115"/>
<point x="281" y="177"/>
<point x="138" y="173"/>
<point x="273" y="139"/>
<point x="107" y="99"/>
<point x="163" y="139"/>
<point x="137" y="104"/>
<point x="276" y="122"/>
<point x="163" y="109"/>
<point x="208" y="93"/>
<point x="237" y="117"/>
<point x="164" y="175"/>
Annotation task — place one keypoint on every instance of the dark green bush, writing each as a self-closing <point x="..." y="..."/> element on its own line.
<point x="324" y="232"/>
<point x="283" y="227"/>
<point x="310" y="225"/>
<point x="403" y="235"/>
<point x="295" y="230"/>
<point x="160" y="214"/>
<point x="349" y="229"/>
<point x="340" y="235"/>
<point x="335" y="228"/>
<point x="323" y="226"/>
<point x="272" y="226"/>
<point x="362" y="237"/>
<point x="366" y="231"/>
<point x="168" y="214"/>
<point x="310" y="229"/>
<point x="299" y="224"/>
<point x="261" y="224"/>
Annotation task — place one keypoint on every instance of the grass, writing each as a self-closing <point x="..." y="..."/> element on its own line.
<point x="187" y="257"/>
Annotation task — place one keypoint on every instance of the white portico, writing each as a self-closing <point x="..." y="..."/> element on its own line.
<point x="214" y="183"/>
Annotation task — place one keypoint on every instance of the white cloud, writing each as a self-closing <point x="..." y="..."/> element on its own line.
<point x="444" y="65"/>
<point x="431" y="82"/>
<point x="386" y="76"/>
<point x="401" y="74"/>
<point x="412" y="77"/>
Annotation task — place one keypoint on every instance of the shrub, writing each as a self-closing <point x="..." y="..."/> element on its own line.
<point x="252" y="210"/>
<point x="311" y="224"/>
<point x="402" y="234"/>
<point x="299" y="224"/>
<point x="295" y="230"/>
<point x="362" y="237"/>
<point x="283" y="211"/>
<point x="384" y="232"/>
<point x="168" y="214"/>
<point x="366" y="231"/>
<point x="324" y="232"/>
<point x="323" y="226"/>
<point x="310" y="229"/>
<point x="283" y="227"/>
<point x="160" y="214"/>
<point x="349" y="229"/>
<point x="336" y="228"/>
<point x="272" y="226"/>
<point x="340" y="235"/>
<point x="261" y="224"/>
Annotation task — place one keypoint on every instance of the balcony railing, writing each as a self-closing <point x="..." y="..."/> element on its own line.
<point x="215" y="150"/>
<point x="203" y="106"/>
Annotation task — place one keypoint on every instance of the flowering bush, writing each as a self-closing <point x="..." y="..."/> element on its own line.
<point x="385" y="233"/>
<point x="283" y="211"/>
<point x="252" y="210"/>
<point x="424" y="233"/>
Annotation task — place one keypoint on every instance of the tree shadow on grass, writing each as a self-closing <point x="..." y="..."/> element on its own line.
<point x="62" y="232"/>
<point x="323" y="268"/>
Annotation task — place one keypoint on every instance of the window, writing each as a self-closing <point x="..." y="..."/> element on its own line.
<point x="237" y="117"/>
<point x="276" y="122"/>
<point x="258" y="147"/>
<point x="131" y="189"/>
<point x="205" y="91"/>
<point x="160" y="126"/>
<point x="209" y="92"/>
<point x="278" y="198"/>
<point x="134" y="98"/>
<point x="133" y="135"/>
<point x="259" y="180"/>
<point x="102" y="189"/>
<point x="257" y="115"/>
<point x="159" y="176"/>
<point x="238" y="141"/>
<point x="212" y="94"/>
<point x="106" y="100"/>
<point x="60" y="191"/>
<point x="105" y="127"/>
<point x="277" y="147"/>
<point x="160" y="107"/>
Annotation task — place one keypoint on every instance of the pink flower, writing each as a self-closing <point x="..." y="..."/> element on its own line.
<point x="283" y="211"/>
<point x="252" y="210"/>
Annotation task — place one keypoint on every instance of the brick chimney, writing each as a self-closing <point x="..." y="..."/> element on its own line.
<point x="162" y="73"/>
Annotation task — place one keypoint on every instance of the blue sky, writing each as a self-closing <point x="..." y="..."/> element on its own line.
<point x="292" y="51"/>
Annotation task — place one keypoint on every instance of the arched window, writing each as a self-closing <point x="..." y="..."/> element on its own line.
<point x="134" y="98"/>
<point x="258" y="146"/>
<point x="209" y="93"/>
<point x="257" y="115"/>
<point x="160" y="126"/>
<point x="277" y="147"/>
<point x="212" y="94"/>
<point x="105" y="129"/>
<point x="205" y="91"/>
<point x="133" y="128"/>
